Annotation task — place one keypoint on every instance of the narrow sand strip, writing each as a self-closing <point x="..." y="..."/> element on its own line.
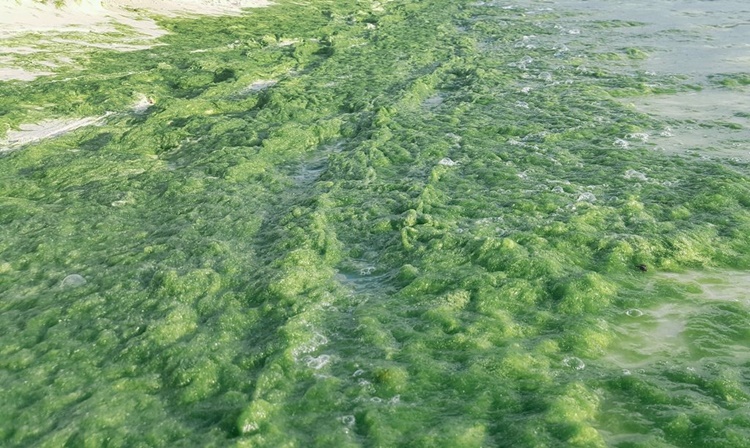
<point x="30" y="133"/>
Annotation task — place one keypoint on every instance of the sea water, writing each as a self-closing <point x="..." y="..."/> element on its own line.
<point x="443" y="223"/>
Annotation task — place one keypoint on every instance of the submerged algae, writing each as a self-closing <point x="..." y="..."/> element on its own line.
<point x="298" y="265"/>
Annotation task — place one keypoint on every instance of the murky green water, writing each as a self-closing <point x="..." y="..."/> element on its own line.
<point x="417" y="224"/>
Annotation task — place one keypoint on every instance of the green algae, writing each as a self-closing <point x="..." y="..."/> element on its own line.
<point x="336" y="259"/>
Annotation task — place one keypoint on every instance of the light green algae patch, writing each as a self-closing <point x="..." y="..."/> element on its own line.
<point x="362" y="224"/>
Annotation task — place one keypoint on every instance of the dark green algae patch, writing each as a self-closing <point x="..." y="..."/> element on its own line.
<point x="425" y="233"/>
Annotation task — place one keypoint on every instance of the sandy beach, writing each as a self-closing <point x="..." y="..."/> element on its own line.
<point x="20" y="17"/>
<point x="92" y="18"/>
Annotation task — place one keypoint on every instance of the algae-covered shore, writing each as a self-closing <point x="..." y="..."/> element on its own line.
<point x="369" y="223"/>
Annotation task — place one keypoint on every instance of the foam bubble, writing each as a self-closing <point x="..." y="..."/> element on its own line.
<point x="317" y="363"/>
<point x="311" y="344"/>
<point x="73" y="281"/>
<point x="447" y="162"/>
<point x="642" y="136"/>
<point x="634" y="312"/>
<point x="574" y="363"/>
<point x="367" y="271"/>
<point x="633" y="174"/>
<point x="586" y="197"/>
<point x="620" y="143"/>
<point x="522" y="104"/>
<point x="358" y="372"/>
<point x="121" y="202"/>
<point x="456" y="138"/>
<point x="348" y="420"/>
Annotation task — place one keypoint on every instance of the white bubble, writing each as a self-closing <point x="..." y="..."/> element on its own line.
<point x="447" y="162"/>
<point x="642" y="136"/>
<point x="633" y="174"/>
<point x="586" y="197"/>
<point x="250" y="427"/>
<point x="634" y="312"/>
<point x="358" y="372"/>
<point x="452" y="136"/>
<point x="558" y="189"/>
<point x="348" y="420"/>
<point x="317" y="363"/>
<point x="574" y="31"/>
<point x="522" y="104"/>
<point x="311" y="344"/>
<point x="574" y="363"/>
<point x="367" y="271"/>
<point x="395" y="400"/>
<point x="626" y="372"/>
<point x="73" y="281"/>
<point x="376" y="400"/>
<point x="621" y="143"/>
<point x="526" y="90"/>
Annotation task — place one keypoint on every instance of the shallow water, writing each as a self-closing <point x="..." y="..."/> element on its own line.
<point x="699" y="40"/>
<point x="426" y="231"/>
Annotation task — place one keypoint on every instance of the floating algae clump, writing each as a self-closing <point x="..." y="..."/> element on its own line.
<point x="310" y="249"/>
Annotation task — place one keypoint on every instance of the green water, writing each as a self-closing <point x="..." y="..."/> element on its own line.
<point x="425" y="233"/>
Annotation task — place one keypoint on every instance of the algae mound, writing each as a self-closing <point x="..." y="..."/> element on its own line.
<point x="335" y="258"/>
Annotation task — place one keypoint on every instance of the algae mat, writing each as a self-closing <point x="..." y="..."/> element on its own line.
<point x="357" y="223"/>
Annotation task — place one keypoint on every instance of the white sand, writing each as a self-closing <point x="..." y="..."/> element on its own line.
<point x="180" y="7"/>
<point x="259" y="85"/>
<point x="21" y="16"/>
<point x="18" y="17"/>
<point x="29" y="133"/>
<point x="142" y="104"/>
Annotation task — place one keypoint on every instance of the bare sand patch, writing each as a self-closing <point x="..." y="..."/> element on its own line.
<point x="95" y="18"/>
<point x="259" y="85"/>
<point x="142" y="104"/>
<point x="30" y="133"/>
<point x="23" y="16"/>
<point x="9" y="73"/>
<point x="176" y="8"/>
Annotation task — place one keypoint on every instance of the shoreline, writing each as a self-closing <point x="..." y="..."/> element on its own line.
<point x="95" y="17"/>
